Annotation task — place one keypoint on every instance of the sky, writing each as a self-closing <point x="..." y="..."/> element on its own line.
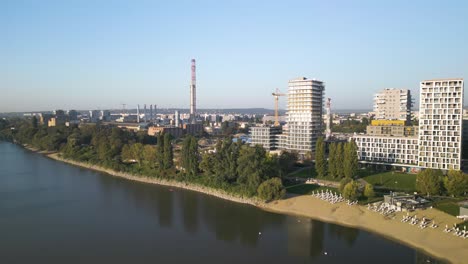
<point x="79" y="54"/>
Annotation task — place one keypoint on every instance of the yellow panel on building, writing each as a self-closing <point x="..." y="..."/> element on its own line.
<point x="388" y="122"/>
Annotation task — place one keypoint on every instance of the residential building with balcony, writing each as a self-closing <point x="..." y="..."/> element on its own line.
<point x="441" y="123"/>
<point x="266" y="136"/>
<point x="393" y="104"/>
<point x="304" y="115"/>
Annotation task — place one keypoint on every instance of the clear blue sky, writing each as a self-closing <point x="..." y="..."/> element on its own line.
<point x="99" y="54"/>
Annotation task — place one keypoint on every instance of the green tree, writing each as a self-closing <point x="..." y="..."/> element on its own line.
<point x="339" y="160"/>
<point x="133" y="153"/>
<point x="286" y="161"/>
<point x="428" y="181"/>
<point x="168" y="156"/>
<point x="149" y="156"/>
<point x="251" y="168"/>
<point x="456" y="183"/>
<point x="369" y="191"/>
<point x="350" y="164"/>
<point x="320" y="160"/>
<point x="190" y="156"/>
<point x="160" y="151"/>
<point x="351" y="190"/>
<point x="332" y="160"/>
<point x="206" y="164"/>
<point x="34" y="122"/>
<point x="271" y="189"/>
<point x="343" y="183"/>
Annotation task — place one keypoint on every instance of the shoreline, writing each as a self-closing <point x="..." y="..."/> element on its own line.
<point x="431" y="241"/>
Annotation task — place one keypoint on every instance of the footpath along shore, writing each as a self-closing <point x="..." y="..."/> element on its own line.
<point x="433" y="241"/>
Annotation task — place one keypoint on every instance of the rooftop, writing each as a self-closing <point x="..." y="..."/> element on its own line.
<point x="445" y="79"/>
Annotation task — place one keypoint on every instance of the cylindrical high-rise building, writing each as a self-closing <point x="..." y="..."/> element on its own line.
<point x="193" y="93"/>
<point x="304" y="116"/>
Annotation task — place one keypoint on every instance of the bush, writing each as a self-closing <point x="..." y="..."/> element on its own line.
<point x="351" y="190"/>
<point x="271" y="189"/>
<point x="369" y="191"/>
<point x="343" y="183"/>
<point x="428" y="182"/>
<point x="456" y="183"/>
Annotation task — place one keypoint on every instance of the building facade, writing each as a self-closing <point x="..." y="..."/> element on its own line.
<point x="176" y="132"/>
<point x="397" y="131"/>
<point x="440" y="123"/>
<point x="266" y="136"/>
<point x="387" y="149"/>
<point x="304" y="115"/>
<point x="393" y="104"/>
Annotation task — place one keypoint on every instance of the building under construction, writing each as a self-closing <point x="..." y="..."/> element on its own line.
<point x="304" y="119"/>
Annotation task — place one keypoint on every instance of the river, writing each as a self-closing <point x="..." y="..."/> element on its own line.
<point x="51" y="212"/>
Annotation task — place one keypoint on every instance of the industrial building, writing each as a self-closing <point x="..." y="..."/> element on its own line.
<point x="266" y="136"/>
<point x="304" y="115"/>
<point x="393" y="104"/>
<point x="193" y="129"/>
<point x="175" y="132"/>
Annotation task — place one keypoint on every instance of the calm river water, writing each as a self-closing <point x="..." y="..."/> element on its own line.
<point x="52" y="212"/>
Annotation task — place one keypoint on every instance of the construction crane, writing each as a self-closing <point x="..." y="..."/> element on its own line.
<point x="277" y="94"/>
<point x="123" y="107"/>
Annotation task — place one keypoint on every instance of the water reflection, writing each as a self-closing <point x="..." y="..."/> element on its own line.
<point x="349" y="235"/>
<point x="189" y="207"/>
<point x="305" y="237"/>
<point x="242" y="224"/>
<point x="78" y="212"/>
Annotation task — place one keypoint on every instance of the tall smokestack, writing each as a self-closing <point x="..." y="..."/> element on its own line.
<point x="193" y="93"/>
<point x="138" y="113"/>
<point x="176" y="118"/>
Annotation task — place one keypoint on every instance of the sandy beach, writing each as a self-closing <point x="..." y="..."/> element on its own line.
<point x="433" y="241"/>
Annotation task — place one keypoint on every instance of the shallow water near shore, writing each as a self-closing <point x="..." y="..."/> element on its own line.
<point x="51" y="212"/>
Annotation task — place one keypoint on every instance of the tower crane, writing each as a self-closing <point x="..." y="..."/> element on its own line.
<point x="277" y="94"/>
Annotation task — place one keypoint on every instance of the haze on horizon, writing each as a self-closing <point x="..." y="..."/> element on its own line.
<point x="97" y="55"/>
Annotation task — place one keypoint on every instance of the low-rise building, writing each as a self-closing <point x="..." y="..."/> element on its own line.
<point x="266" y="136"/>
<point x="400" y="151"/>
<point x="176" y="132"/>
<point x="193" y="129"/>
<point x="56" y="121"/>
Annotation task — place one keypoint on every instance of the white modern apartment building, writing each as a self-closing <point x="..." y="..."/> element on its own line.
<point x="393" y="104"/>
<point x="401" y="151"/>
<point x="304" y="115"/>
<point x="440" y="123"/>
<point x="437" y="144"/>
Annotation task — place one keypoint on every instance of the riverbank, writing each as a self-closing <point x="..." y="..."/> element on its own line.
<point x="172" y="183"/>
<point x="432" y="241"/>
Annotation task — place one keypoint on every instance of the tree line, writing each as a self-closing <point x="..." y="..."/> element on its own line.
<point x="434" y="182"/>
<point x="342" y="159"/>
<point x="234" y="167"/>
<point x="342" y="163"/>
